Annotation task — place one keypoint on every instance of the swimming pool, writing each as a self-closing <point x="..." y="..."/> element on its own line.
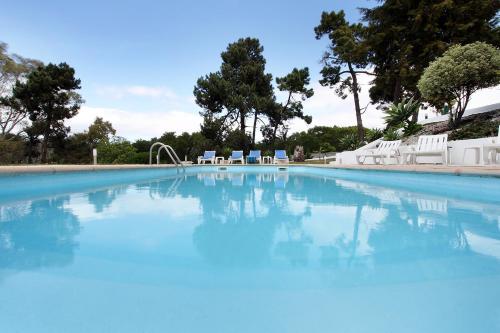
<point x="249" y="249"/>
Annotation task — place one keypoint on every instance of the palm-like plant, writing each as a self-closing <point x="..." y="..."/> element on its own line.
<point x="400" y="114"/>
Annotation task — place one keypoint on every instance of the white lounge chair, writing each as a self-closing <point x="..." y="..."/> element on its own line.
<point x="429" y="145"/>
<point x="254" y="156"/>
<point x="491" y="150"/>
<point x="236" y="155"/>
<point x="208" y="156"/>
<point x="280" y="157"/>
<point x="386" y="149"/>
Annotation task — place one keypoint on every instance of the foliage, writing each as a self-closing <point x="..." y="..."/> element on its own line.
<point x="116" y="151"/>
<point x="351" y="142"/>
<point x="399" y="115"/>
<point x="240" y="89"/>
<point x="100" y="131"/>
<point x="374" y="134"/>
<point x="476" y="129"/>
<point x="321" y="138"/>
<point x="295" y="85"/>
<point x="49" y="97"/>
<point x="75" y="149"/>
<point x="12" y="68"/>
<point x="392" y="134"/>
<point x="12" y="151"/>
<point x="347" y="54"/>
<point x="461" y="71"/>
<point x="404" y="36"/>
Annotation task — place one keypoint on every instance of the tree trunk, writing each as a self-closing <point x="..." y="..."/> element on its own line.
<point x="397" y="94"/>
<point x="254" y="128"/>
<point x="456" y="117"/>
<point x="359" y="121"/>
<point x="45" y="144"/>
<point x="242" y="121"/>
<point x="275" y="131"/>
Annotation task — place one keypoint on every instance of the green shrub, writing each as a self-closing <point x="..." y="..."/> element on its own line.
<point x="475" y="130"/>
<point x="117" y="151"/>
<point x="12" y="151"/>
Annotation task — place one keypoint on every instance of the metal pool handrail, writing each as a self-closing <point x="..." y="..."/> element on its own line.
<point x="171" y="153"/>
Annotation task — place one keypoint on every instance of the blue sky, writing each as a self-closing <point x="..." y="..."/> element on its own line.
<point x="139" y="60"/>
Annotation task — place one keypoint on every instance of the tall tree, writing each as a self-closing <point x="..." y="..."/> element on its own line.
<point x="406" y="35"/>
<point x="49" y="97"/>
<point x="239" y="89"/>
<point x="345" y="58"/>
<point x="12" y="68"/>
<point x="295" y="85"/>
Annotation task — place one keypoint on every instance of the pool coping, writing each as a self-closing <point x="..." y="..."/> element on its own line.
<point x="490" y="170"/>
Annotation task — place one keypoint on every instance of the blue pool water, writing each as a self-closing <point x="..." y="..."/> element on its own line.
<point x="249" y="250"/>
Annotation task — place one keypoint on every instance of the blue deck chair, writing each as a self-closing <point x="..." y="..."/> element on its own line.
<point x="208" y="156"/>
<point x="254" y="157"/>
<point x="280" y="157"/>
<point x="236" y="155"/>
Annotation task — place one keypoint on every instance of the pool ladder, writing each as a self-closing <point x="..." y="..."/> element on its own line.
<point x="171" y="153"/>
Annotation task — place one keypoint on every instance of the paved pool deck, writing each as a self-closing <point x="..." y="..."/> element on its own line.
<point x="490" y="170"/>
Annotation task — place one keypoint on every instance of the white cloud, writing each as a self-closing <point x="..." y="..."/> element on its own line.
<point x="138" y="124"/>
<point x="119" y="92"/>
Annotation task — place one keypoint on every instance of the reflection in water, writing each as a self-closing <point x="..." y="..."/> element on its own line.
<point x="37" y="234"/>
<point x="104" y="198"/>
<point x="254" y="219"/>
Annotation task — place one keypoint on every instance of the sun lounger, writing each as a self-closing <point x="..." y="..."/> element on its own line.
<point x="386" y="149"/>
<point x="208" y="156"/>
<point x="254" y="157"/>
<point x="236" y="155"/>
<point x="280" y="157"/>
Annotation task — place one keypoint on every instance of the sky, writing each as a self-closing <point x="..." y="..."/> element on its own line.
<point x="139" y="60"/>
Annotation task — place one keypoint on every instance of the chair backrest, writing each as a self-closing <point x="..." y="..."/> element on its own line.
<point x="209" y="154"/>
<point x="237" y="154"/>
<point x="280" y="154"/>
<point x="388" y="146"/>
<point x="254" y="153"/>
<point x="432" y="142"/>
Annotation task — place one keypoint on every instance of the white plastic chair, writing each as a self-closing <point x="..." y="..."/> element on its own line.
<point x="430" y="145"/>
<point x="491" y="150"/>
<point x="386" y="149"/>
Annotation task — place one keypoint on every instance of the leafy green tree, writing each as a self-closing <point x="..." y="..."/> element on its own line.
<point x="461" y="71"/>
<point x="239" y="89"/>
<point x="116" y="151"/>
<point x="404" y="36"/>
<point x="49" y="97"/>
<point x="12" y="68"/>
<point x="295" y="85"/>
<point x="100" y="131"/>
<point x="345" y="58"/>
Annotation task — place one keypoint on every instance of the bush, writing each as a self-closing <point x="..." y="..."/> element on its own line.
<point x="475" y="130"/>
<point x="117" y="151"/>
<point x="12" y="151"/>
